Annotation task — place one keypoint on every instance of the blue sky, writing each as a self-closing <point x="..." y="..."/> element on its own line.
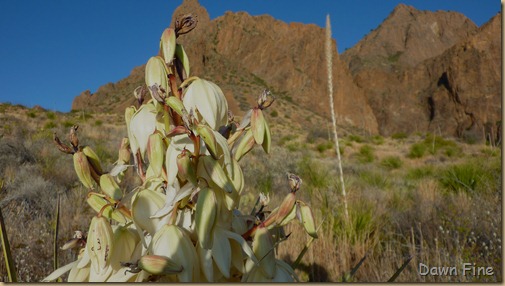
<point x="50" y="51"/>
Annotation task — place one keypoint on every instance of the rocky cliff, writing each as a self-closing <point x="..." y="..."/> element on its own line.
<point x="431" y="71"/>
<point x="418" y="71"/>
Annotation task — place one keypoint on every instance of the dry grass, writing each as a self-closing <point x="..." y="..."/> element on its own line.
<point x="394" y="212"/>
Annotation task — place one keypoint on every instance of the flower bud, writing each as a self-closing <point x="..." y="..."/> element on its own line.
<point x="125" y="246"/>
<point x="210" y="170"/>
<point x="168" y="45"/>
<point x="98" y="203"/>
<point x="142" y="125"/>
<point x="110" y="187"/>
<point x="176" y="105"/>
<point x="263" y="249"/>
<point x="205" y="218"/>
<point x="207" y="134"/>
<point x="74" y="242"/>
<point x="129" y="112"/>
<point x="285" y="208"/>
<point x="146" y="203"/>
<point x="171" y="241"/>
<point x="156" y="77"/>
<point x="99" y="244"/>
<point x="237" y="177"/>
<point x="124" y="152"/>
<point x="82" y="168"/>
<point x="208" y="99"/>
<point x="186" y="168"/>
<point x="183" y="58"/>
<point x="156" y="153"/>
<point x="93" y="159"/>
<point x="267" y="141"/>
<point x="258" y="125"/>
<point x="245" y="145"/>
<point x="307" y="219"/>
<point x="159" y="265"/>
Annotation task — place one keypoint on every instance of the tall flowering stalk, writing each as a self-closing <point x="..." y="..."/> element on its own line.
<point x="329" y="66"/>
<point x="182" y="224"/>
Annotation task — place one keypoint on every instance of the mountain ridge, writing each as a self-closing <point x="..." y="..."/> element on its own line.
<point x="245" y="54"/>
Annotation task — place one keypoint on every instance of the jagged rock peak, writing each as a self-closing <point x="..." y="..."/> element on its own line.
<point x="403" y="9"/>
<point x="193" y="7"/>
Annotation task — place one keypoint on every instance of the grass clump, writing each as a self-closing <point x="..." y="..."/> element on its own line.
<point x="392" y="162"/>
<point x="31" y="114"/>
<point x="321" y="147"/>
<point x="399" y="135"/>
<point x="378" y="140"/>
<point x="356" y="138"/>
<point x="417" y="150"/>
<point x="67" y="124"/>
<point x="366" y="154"/>
<point x="50" y="125"/>
<point x="471" y="177"/>
<point x="50" y="115"/>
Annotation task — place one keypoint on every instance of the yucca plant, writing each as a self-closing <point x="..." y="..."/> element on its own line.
<point x="182" y="223"/>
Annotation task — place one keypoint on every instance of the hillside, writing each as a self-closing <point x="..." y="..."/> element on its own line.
<point x="385" y="84"/>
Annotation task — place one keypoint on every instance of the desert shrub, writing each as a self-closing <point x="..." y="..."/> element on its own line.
<point x="377" y="140"/>
<point x="31" y="114"/>
<point x="420" y="172"/>
<point x="286" y="139"/>
<point x="355" y="138"/>
<point x="50" y="125"/>
<point x="50" y="115"/>
<point x="366" y="154"/>
<point x="98" y="122"/>
<point x="67" y="124"/>
<point x="465" y="177"/>
<point x="321" y="147"/>
<point x="417" y="150"/>
<point x="392" y="162"/>
<point x="274" y="113"/>
<point x="399" y="135"/>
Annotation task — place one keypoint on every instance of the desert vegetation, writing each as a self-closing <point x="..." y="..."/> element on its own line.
<point x="437" y="209"/>
<point x="411" y="198"/>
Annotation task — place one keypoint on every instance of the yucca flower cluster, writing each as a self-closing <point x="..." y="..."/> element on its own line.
<point x="182" y="224"/>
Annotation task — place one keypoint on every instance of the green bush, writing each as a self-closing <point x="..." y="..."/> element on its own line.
<point x="366" y="154"/>
<point x="417" y="150"/>
<point x="355" y="138"/>
<point x="31" y="114"/>
<point x="98" y="122"/>
<point x="466" y="177"/>
<point x="67" y="124"/>
<point x="274" y="113"/>
<point x="421" y="172"/>
<point x="392" y="162"/>
<point x="378" y="140"/>
<point x="321" y="147"/>
<point x="50" y="115"/>
<point x="50" y="125"/>
<point x="399" y="135"/>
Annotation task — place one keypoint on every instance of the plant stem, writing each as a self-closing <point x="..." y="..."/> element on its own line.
<point x="329" y="62"/>
<point x="9" y="262"/>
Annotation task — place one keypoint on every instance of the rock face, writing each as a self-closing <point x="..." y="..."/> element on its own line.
<point x="407" y="37"/>
<point x="418" y="71"/>
<point x="431" y="72"/>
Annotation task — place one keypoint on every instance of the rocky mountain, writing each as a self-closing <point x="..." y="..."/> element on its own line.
<point x="391" y="81"/>
<point x="431" y="71"/>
